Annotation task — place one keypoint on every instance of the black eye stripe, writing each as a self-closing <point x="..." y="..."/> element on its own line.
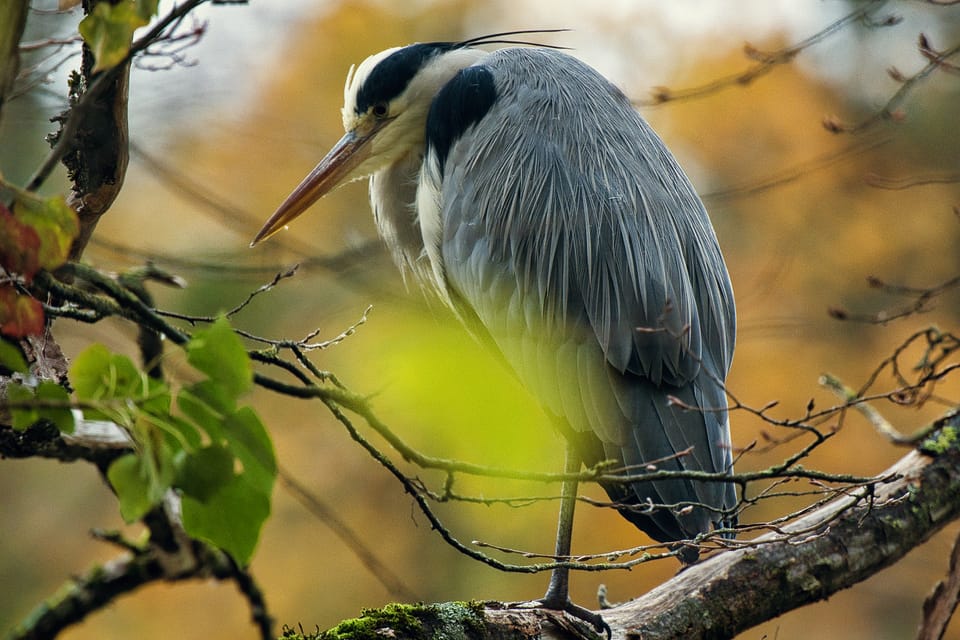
<point x="392" y="75"/>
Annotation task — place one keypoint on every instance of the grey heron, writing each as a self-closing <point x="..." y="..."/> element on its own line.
<point x="523" y="189"/>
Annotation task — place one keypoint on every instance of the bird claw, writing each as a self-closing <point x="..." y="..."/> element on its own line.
<point x="582" y="614"/>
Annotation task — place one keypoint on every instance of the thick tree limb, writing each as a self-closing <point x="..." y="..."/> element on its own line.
<point x="735" y="591"/>
<point x="98" y="155"/>
<point x="940" y="605"/>
<point x="170" y="556"/>
<point x="44" y="440"/>
<point x="854" y="538"/>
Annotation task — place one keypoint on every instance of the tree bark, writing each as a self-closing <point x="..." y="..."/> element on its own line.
<point x="942" y="602"/>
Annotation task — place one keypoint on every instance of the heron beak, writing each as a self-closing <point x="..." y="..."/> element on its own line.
<point x="346" y="155"/>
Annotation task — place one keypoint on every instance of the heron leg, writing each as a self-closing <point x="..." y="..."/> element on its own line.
<point x="558" y="591"/>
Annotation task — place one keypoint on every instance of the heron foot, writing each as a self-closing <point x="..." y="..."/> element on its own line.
<point x="564" y="604"/>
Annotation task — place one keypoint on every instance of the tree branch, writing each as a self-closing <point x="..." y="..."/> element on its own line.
<point x="765" y="62"/>
<point x="734" y="591"/>
<point x="853" y="538"/>
<point x="940" y="605"/>
<point x="891" y="110"/>
<point x="169" y="556"/>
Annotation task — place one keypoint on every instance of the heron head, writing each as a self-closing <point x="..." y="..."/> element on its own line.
<point x="386" y="102"/>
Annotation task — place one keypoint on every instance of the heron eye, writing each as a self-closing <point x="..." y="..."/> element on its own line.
<point x="380" y="110"/>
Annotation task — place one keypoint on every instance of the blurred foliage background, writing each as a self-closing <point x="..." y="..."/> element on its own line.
<point x="219" y="142"/>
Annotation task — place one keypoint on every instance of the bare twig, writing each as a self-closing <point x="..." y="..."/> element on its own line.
<point x="281" y="275"/>
<point x="218" y="206"/>
<point x="171" y="48"/>
<point x="891" y="111"/>
<point x="875" y="418"/>
<point x="923" y="298"/>
<point x="938" y="346"/>
<point x="59" y="43"/>
<point x="328" y="515"/>
<point x="765" y="61"/>
<point x="896" y="184"/>
<point x="117" y="301"/>
<point x="252" y="593"/>
<point x="36" y="75"/>
<point x="794" y="173"/>
<point x="938" y="57"/>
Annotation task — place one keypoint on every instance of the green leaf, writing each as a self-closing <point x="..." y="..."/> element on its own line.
<point x="230" y="519"/>
<point x="21" y="418"/>
<point x="223" y="508"/>
<point x="55" y="223"/>
<point x="11" y="358"/>
<point x="31" y="411"/>
<point x="181" y="434"/>
<point x="108" y="31"/>
<point x="87" y="370"/>
<point x="156" y="396"/>
<point x="99" y="376"/>
<point x="250" y="442"/>
<point x="219" y="353"/>
<point x="205" y="471"/>
<point x="214" y="397"/>
<point x="207" y="404"/>
<point x="62" y="417"/>
<point x="218" y="456"/>
<point x="136" y="492"/>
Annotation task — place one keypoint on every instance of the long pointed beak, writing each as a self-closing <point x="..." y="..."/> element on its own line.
<point x="345" y="156"/>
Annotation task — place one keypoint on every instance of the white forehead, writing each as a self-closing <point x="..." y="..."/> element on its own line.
<point x="436" y="71"/>
<point x="356" y="76"/>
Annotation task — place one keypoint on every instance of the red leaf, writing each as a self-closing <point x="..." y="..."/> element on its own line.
<point x="19" y="246"/>
<point x="55" y="223"/>
<point x="20" y="315"/>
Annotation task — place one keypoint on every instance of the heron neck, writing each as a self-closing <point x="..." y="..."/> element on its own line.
<point x="393" y="194"/>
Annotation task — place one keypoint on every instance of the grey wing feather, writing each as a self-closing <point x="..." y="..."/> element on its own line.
<point x="573" y="236"/>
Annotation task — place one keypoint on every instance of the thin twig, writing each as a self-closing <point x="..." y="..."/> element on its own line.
<point x="922" y="302"/>
<point x="281" y="275"/>
<point x="766" y="61"/>
<point x="793" y="173"/>
<point x="250" y="590"/>
<point x="891" y="110"/>
<point x="874" y="417"/>
<point x="117" y="301"/>
<point x="102" y="82"/>
<point x="908" y="182"/>
<point x="59" y="43"/>
<point x="327" y="514"/>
